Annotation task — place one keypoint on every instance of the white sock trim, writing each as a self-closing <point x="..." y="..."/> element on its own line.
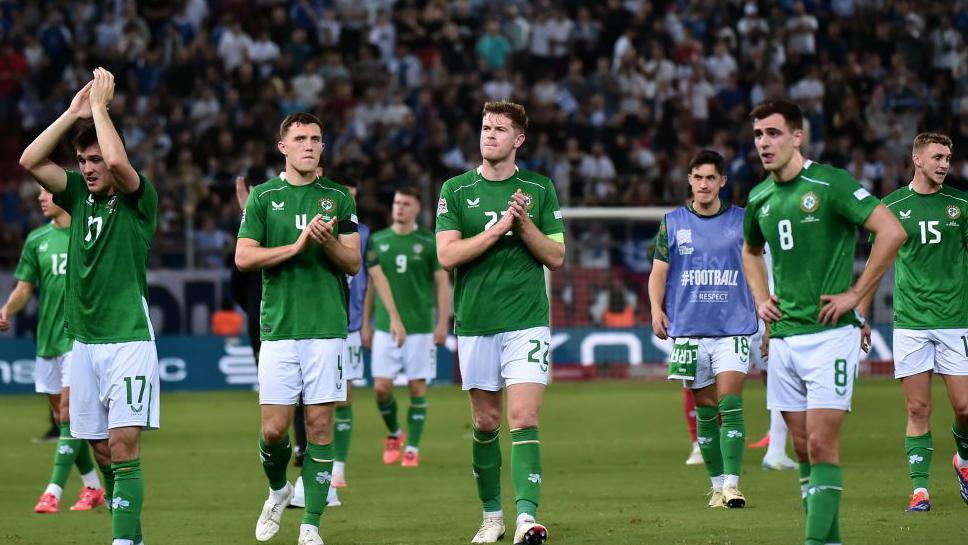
<point x="91" y="480"/>
<point x="717" y="482"/>
<point x="731" y="481"/>
<point x="55" y="490"/>
<point x="308" y="527"/>
<point x="494" y="515"/>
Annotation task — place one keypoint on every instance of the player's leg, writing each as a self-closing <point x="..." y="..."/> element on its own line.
<point x="918" y="445"/>
<point x="828" y="362"/>
<point x="133" y="398"/>
<point x="708" y="434"/>
<point x="732" y="439"/>
<point x="914" y="364"/>
<point x="525" y="363"/>
<point x="323" y="385"/>
<point x="480" y="372"/>
<point x="91" y="494"/>
<point x="786" y="392"/>
<point x="343" y="416"/>
<point x="280" y="385"/>
<point x="299" y="430"/>
<point x="386" y="363"/>
<point x="689" y="412"/>
<point x="420" y="365"/>
<point x="47" y="381"/>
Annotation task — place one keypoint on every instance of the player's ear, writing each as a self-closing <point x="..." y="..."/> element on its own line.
<point x="519" y="140"/>
<point x="282" y="147"/>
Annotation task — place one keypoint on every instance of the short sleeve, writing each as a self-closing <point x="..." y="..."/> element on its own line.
<point x="551" y="220"/>
<point x="75" y="186"/>
<point x="28" y="269"/>
<point x="145" y="199"/>
<point x="372" y="259"/>
<point x="851" y="201"/>
<point x="448" y="218"/>
<point x="348" y="222"/>
<point x="661" y="248"/>
<point x="253" y="224"/>
<point x="752" y="233"/>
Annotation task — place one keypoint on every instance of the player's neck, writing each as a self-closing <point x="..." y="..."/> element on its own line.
<point x="294" y="177"/>
<point x="789" y="170"/>
<point x="710" y="209"/>
<point x="501" y="170"/>
<point x="923" y="185"/>
<point x="62" y="221"/>
<point x="403" y="228"/>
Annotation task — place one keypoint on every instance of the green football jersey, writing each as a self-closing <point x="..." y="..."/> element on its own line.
<point x="810" y="224"/>
<point x="409" y="263"/>
<point x="504" y="288"/>
<point x="107" y="262"/>
<point x="931" y="270"/>
<point x="304" y="297"/>
<point x="43" y="262"/>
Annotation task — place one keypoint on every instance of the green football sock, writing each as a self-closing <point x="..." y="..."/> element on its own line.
<point x="416" y="416"/>
<point x="64" y="456"/>
<point x="84" y="460"/>
<point x="108" y="475"/>
<point x="823" y="500"/>
<point x="317" y="474"/>
<point x="961" y="440"/>
<point x="707" y="433"/>
<point x="732" y="437"/>
<point x="486" y="460"/>
<point x="129" y="492"/>
<point x="275" y="460"/>
<point x="919" y="449"/>
<point x="526" y="469"/>
<point x="804" y="482"/>
<point x="388" y="410"/>
<point x="342" y="431"/>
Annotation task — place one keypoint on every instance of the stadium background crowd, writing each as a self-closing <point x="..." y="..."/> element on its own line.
<point x="620" y="94"/>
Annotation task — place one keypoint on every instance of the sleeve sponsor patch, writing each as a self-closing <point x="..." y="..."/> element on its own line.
<point x="861" y="194"/>
<point x="441" y="206"/>
<point x="354" y="219"/>
<point x="243" y="216"/>
<point x="557" y="214"/>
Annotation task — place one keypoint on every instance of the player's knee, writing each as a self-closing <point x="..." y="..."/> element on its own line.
<point x="918" y="411"/>
<point x="961" y="412"/>
<point x="523" y="417"/>
<point x="383" y="390"/>
<point x="274" y="432"/>
<point x="487" y="421"/>
<point x="821" y="448"/>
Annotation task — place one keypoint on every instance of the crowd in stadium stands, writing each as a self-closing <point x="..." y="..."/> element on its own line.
<point x="620" y="93"/>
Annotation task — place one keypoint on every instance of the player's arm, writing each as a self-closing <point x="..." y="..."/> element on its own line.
<point x="36" y="158"/>
<point x="112" y="149"/>
<point x="343" y="250"/>
<point x="250" y="255"/>
<point x="379" y="281"/>
<point x="754" y="269"/>
<point x="454" y="251"/>
<point x="549" y="250"/>
<point x="366" y="330"/>
<point x="864" y="308"/>
<point x="888" y="237"/>
<point x="442" y="283"/>
<point x="657" y="292"/>
<point x="16" y="302"/>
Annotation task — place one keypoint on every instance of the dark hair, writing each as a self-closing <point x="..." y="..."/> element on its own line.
<point x="791" y="112"/>
<point x="410" y="191"/>
<point x="302" y="118"/>
<point x="708" y="157"/>
<point x="86" y="136"/>
<point x="514" y="111"/>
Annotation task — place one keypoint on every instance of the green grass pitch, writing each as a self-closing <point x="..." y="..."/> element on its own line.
<point x="613" y="473"/>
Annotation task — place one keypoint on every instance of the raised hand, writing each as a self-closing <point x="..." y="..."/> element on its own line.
<point x="103" y="89"/>
<point x="81" y="103"/>
<point x="241" y="191"/>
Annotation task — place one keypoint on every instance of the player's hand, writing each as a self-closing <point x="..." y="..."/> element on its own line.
<point x="305" y="236"/>
<point x="865" y="337"/>
<point x="440" y="333"/>
<point x="241" y="191"/>
<point x="660" y="324"/>
<point x="769" y="310"/>
<point x="835" y="306"/>
<point x="518" y="207"/>
<point x="322" y="231"/>
<point x="397" y="331"/>
<point x="366" y="336"/>
<point x="4" y="320"/>
<point x="81" y="103"/>
<point x="103" y="89"/>
<point x="505" y="224"/>
<point x="765" y="345"/>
